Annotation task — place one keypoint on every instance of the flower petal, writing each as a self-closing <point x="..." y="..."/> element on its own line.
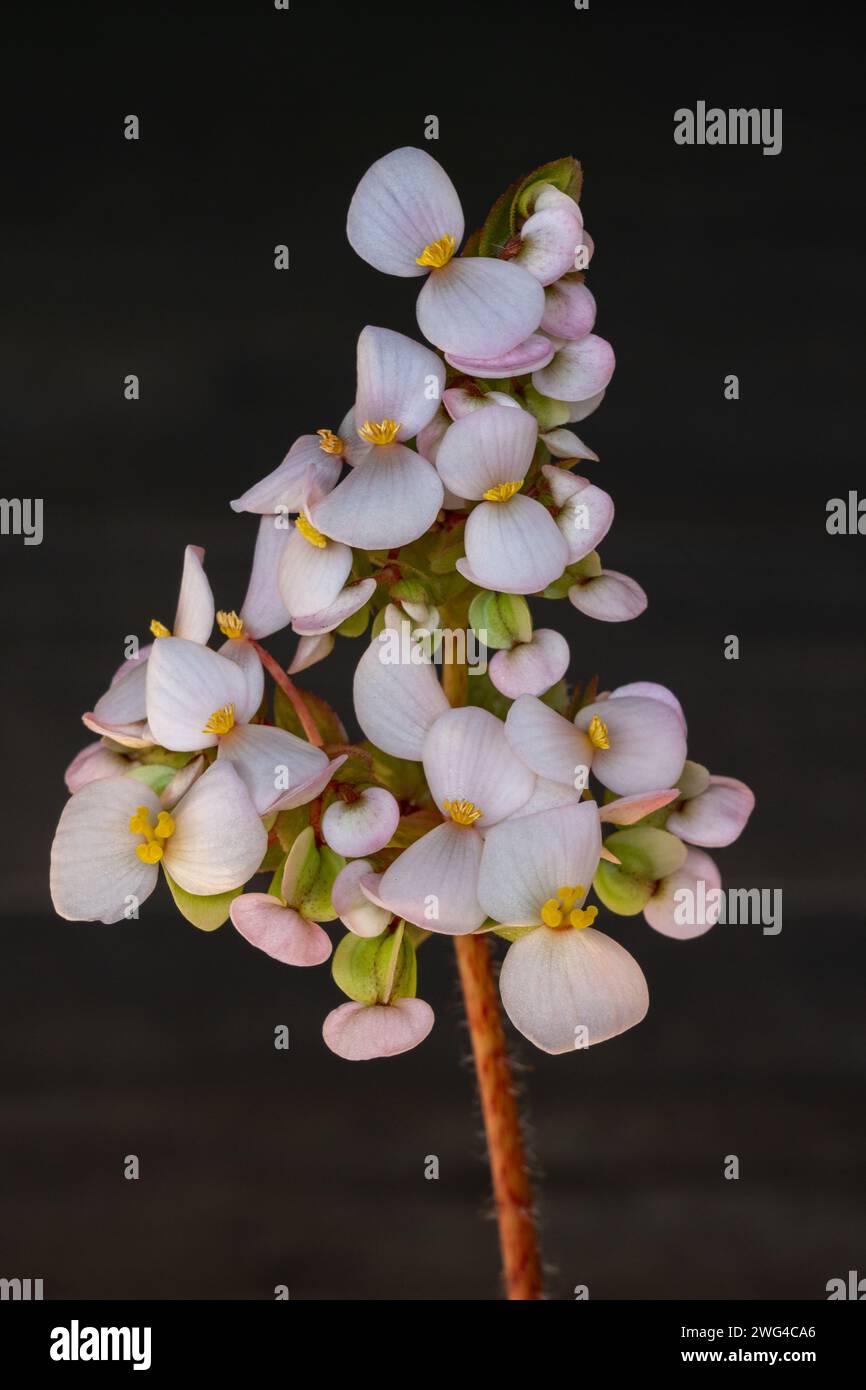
<point x="717" y="817"/>
<point x="263" y="610"/>
<point x="219" y="841"/>
<point x="311" y="576"/>
<point x="579" y="410"/>
<point x="96" y="875"/>
<point x="468" y="758"/>
<point x="514" y="547"/>
<point x="353" y="828"/>
<point x="578" y="371"/>
<point x="554" y="984"/>
<point x="125" y="701"/>
<point x="478" y="307"/>
<point x="404" y="202"/>
<point x="647" y="744"/>
<point x="569" y="309"/>
<point x="186" y="684"/>
<point x="352" y="904"/>
<point x="433" y="882"/>
<point x="531" y="668"/>
<point x="485" y="448"/>
<point x="396" y="699"/>
<point x="564" y="444"/>
<point x="347" y="602"/>
<point x="398" y="379"/>
<point x="586" y="511"/>
<point x="92" y="764"/>
<point x="273" y="764"/>
<point x="651" y="690"/>
<point x="311" y="650"/>
<point x="683" y="895"/>
<point x="527" y="860"/>
<point x="550" y="241"/>
<point x="387" y="500"/>
<point x="360" y="1032"/>
<point x="534" y="352"/>
<point x="609" y="598"/>
<point x="279" y="931"/>
<point x="551" y="745"/>
<point x="195" y="606"/>
<point x="626" y="810"/>
<point x="284" y="490"/>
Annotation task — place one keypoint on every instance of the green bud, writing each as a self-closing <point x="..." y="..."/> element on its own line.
<point x="368" y="970"/>
<point x="646" y="855"/>
<point x="587" y="568"/>
<point x="409" y="591"/>
<point x="693" y="780"/>
<point x="153" y="775"/>
<point x="206" y="913"/>
<point x="302" y="869"/>
<point x="316" y="903"/>
<point x="549" y="413"/>
<point x="500" y="620"/>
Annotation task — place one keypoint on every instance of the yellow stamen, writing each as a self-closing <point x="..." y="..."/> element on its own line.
<point x="221" y="721"/>
<point x="330" y="443"/>
<point x="554" y="912"/>
<point x="598" y="735"/>
<point x="379" y="431"/>
<point x="438" y="253"/>
<point x="152" y="848"/>
<point x="159" y="629"/>
<point x="309" y="533"/>
<point x="463" y="812"/>
<point x="551" y="913"/>
<point x="230" y="625"/>
<point x="503" y="492"/>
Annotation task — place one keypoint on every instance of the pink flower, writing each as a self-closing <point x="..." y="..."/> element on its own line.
<point x="405" y="219"/>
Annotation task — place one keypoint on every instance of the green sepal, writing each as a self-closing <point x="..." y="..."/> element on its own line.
<point x="646" y="855"/>
<point x="409" y="591"/>
<point x="512" y="933"/>
<point x="502" y="220"/>
<point x="302" y="869"/>
<point x="290" y="824"/>
<point x="206" y="913"/>
<point x="274" y="858"/>
<point x="693" y="780"/>
<point x="316" y="903"/>
<point x="483" y="693"/>
<point x="163" y="756"/>
<point x="500" y="620"/>
<point x="557" y="697"/>
<point x="154" y="775"/>
<point x="404" y="779"/>
<point x="361" y="967"/>
<point x="549" y="413"/>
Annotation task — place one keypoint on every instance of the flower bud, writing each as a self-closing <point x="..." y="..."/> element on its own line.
<point x="500" y="620"/>
<point x="365" y="968"/>
<point x="646" y="855"/>
<point x="549" y="413"/>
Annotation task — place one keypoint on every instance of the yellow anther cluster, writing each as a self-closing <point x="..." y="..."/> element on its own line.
<point x="597" y="731"/>
<point x="230" y="625"/>
<point x="379" y="431"/>
<point x="463" y="812"/>
<point x="503" y="492"/>
<point x="221" y="721"/>
<point x="329" y="442"/>
<point x="561" y="911"/>
<point x="437" y="253"/>
<point x="309" y="533"/>
<point x="152" y="848"/>
<point x="159" y="629"/>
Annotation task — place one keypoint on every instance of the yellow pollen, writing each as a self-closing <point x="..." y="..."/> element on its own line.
<point x="159" y="629"/>
<point x="329" y="442"/>
<point x="230" y="625"/>
<point x="152" y="847"/>
<point x="503" y="492"/>
<point x="221" y="721"/>
<point x="379" y="431"/>
<point x="598" y="735"/>
<point x="554" y="911"/>
<point x="309" y="533"/>
<point x="438" y="253"/>
<point x="463" y="812"/>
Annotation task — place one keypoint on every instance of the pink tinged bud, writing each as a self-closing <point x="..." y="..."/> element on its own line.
<point x="360" y="1032"/>
<point x="688" y="902"/>
<point x="531" y="668"/>
<point x="609" y="598"/>
<point x="92" y="764"/>
<point x="534" y="352"/>
<point x="356" y="828"/>
<point x="281" y="932"/>
<point x="717" y="817"/>
<point x="355" y="904"/>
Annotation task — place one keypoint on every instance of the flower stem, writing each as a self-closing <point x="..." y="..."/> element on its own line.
<point x="511" y="1188"/>
<point x="512" y="1191"/>
<point x="292" y="693"/>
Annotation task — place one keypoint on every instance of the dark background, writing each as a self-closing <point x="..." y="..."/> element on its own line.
<point x="156" y="257"/>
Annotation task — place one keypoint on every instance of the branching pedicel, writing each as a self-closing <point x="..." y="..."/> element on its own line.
<point x="445" y="498"/>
